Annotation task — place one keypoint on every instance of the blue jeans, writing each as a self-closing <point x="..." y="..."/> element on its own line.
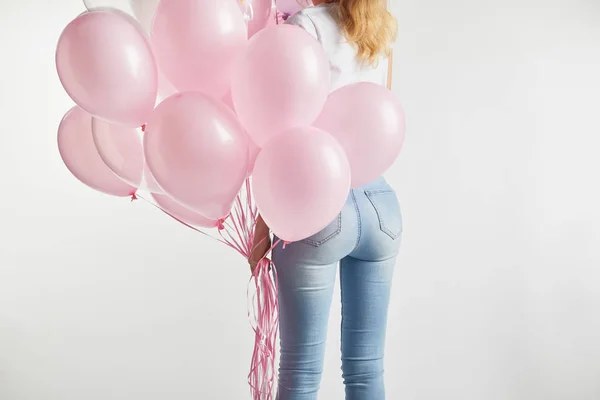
<point x="364" y="239"/>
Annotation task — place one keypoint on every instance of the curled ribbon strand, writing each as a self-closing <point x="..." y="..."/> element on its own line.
<point x="237" y="232"/>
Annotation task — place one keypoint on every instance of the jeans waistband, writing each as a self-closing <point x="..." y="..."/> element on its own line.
<point x="378" y="184"/>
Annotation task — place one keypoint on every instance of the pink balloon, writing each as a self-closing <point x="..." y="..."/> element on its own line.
<point x="150" y="183"/>
<point x="144" y="12"/>
<point x="121" y="150"/>
<point x="106" y="65"/>
<point x="165" y="89"/>
<point x="196" y="41"/>
<point x="78" y="151"/>
<point x="275" y="19"/>
<point x="289" y="6"/>
<point x="139" y="13"/>
<point x="253" y="148"/>
<point x="198" y="152"/>
<point x="280" y="82"/>
<point x="301" y="182"/>
<point x="183" y="214"/>
<point x="253" y="152"/>
<point x="228" y="101"/>
<point x="246" y="8"/>
<point x="262" y="11"/>
<point x="368" y="121"/>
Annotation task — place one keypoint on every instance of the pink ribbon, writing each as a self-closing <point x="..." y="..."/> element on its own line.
<point x="237" y="232"/>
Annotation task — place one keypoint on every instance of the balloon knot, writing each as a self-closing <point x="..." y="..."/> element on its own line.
<point x="143" y="128"/>
<point x="285" y="243"/>
<point x="133" y="197"/>
<point x="221" y="224"/>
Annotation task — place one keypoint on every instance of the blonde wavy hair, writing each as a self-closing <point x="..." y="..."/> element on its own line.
<point x="369" y="25"/>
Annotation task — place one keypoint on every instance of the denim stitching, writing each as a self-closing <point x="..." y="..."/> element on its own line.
<point x="382" y="226"/>
<point x="379" y="191"/>
<point x="359" y="221"/>
<point x="318" y="243"/>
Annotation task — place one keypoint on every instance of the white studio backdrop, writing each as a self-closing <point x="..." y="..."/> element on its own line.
<point x="497" y="288"/>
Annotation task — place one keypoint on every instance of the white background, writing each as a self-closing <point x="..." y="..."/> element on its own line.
<point x="497" y="288"/>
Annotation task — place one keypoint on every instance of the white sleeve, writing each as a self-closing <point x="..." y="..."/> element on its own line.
<point x="303" y="22"/>
<point x="382" y="69"/>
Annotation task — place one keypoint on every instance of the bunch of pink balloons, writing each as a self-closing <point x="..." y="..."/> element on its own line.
<point x="237" y="107"/>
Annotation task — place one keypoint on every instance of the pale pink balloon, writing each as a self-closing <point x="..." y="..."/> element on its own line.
<point x="144" y="12"/>
<point x="253" y="152"/>
<point x="141" y="10"/>
<point x="140" y="13"/>
<point x="262" y="13"/>
<point x="368" y="121"/>
<point x="280" y="82"/>
<point x="183" y="214"/>
<point x="301" y="182"/>
<point x="196" y="42"/>
<point x="198" y="152"/>
<point x="78" y="151"/>
<point x="121" y="150"/>
<point x="253" y="148"/>
<point x="228" y="101"/>
<point x="289" y="6"/>
<point x="106" y="65"/>
<point x="150" y="183"/>
<point x="275" y="19"/>
<point x="246" y="8"/>
<point x="165" y="89"/>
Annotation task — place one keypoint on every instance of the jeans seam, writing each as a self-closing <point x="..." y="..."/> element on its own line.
<point x="379" y="191"/>
<point x="317" y="243"/>
<point x="382" y="224"/>
<point x="342" y="301"/>
<point x="359" y="222"/>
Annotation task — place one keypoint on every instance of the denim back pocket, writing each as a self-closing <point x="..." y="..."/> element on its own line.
<point x="330" y="231"/>
<point x="387" y="207"/>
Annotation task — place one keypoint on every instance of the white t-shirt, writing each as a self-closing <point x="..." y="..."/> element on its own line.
<point x="344" y="65"/>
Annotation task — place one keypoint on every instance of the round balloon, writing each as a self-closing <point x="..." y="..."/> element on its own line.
<point x="368" y="121"/>
<point x="281" y="81"/>
<point x="253" y="148"/>
<point x="78" y="151"/>
<point x="143" y="10"/>
<point x="198" y="152"/>
<point x="301" y="182"/>
<point x="120" y="85"/>
<point x="196" y="42"/>
<point x="183" y="214"/>
<point x="289" y="6"/>
<point x="149" y="182"/>
<point x="122" y="5"/>
<point x="262" y="12"/>
<point x="121" y="150"/>
<point x="253" y="152"/>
